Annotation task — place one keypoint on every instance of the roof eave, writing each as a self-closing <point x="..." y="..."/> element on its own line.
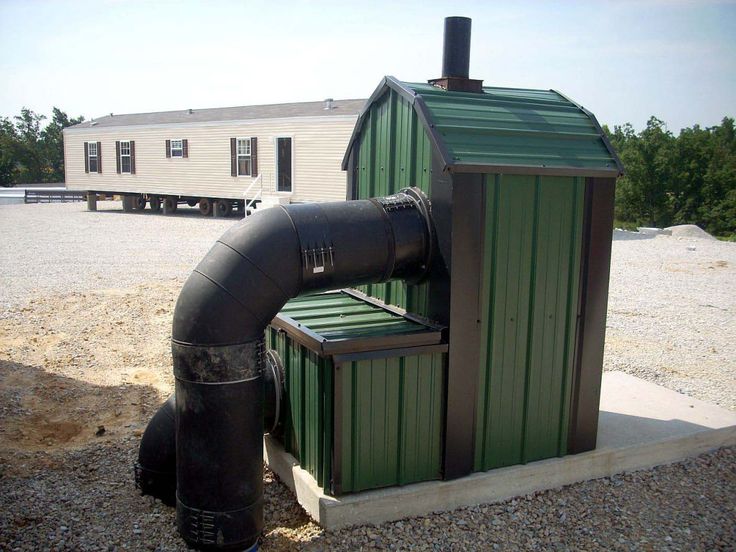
<point x="532" y="170"/>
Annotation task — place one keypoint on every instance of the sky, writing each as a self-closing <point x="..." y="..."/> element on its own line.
<point x="623" y="60"/>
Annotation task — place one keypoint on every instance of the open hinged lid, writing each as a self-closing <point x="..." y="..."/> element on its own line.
<point x="346" y="321"/>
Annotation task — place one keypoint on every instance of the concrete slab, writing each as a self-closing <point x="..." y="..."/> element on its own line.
<point x="641" y="425"/>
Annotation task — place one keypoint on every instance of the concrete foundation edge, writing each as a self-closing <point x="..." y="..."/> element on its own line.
<point x="481" y="488"/>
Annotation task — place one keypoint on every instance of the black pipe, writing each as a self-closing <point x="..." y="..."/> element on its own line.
<point x="218" y="340"/>
<point x="155" y="471"/>
<point x="456" y="51"/>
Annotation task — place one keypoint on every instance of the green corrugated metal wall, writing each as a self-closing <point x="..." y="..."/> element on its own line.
<point x="391" y="421"/>
<point x="531" y="260"/>
<point x="394" y="152"/>
<point x="308" y="406"/>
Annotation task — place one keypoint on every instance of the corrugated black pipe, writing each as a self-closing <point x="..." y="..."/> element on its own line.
<point x="218" y="340"/>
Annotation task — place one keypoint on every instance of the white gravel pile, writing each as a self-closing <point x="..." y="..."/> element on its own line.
<point x="671" y="320"/>
<point x="689" y="231"/>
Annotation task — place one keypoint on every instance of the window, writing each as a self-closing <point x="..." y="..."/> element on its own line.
<point x="92" y="157"/>
<point x="177" y="149"/>
<point x="244" y="160"/>
<point x="243" y="156"/>
<point x="125" y="157"/>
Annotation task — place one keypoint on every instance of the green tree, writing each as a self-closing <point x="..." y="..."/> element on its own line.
<point x="8" y="145"/>
<point x="718" y="208"/>
<point x="688" y="179"/>
<point x="29" y="151"/>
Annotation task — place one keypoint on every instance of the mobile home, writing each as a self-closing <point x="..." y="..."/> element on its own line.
<point x="220" y="159"/>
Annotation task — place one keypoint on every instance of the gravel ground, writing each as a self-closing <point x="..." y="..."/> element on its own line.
<point x="672" y="315"/>
<point x="63" y="247"/>
<point x="85" y="314"/>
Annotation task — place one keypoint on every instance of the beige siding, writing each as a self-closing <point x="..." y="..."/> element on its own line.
<point x="318" y="147"/>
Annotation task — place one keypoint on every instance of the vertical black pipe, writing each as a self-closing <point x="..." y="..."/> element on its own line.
<point x="456" y="53"/>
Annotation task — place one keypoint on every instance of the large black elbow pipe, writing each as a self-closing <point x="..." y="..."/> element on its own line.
<point x="218" y="340"/>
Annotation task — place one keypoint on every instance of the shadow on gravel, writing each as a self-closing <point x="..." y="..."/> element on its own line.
<point x="44" y="411"/>
<point x="621" y="430"/>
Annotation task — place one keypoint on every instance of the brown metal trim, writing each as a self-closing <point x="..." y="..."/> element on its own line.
<point x="301" y="333"/>
<point x="598" y="128"/>
<point x="351" y="188"/>
<point x="438" y="278"/>
<point x="337" y="398"/>
<point x="439" y="144"/>
<point x="530" y="170"/>
<point x="411" y="317"/>
<point x="364" y="344"/>
<point x="389" y="353"/>
<point x="407" y="93"/>
<point x="590" y="334"/>
<point x="465" y="336"/>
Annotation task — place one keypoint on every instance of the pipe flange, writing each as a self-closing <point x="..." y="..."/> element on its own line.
<point x="275" y="370"/>
<point x="424" y="206"/>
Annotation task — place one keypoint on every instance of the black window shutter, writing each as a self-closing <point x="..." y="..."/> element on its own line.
<point x="168" y="148"/>
<point x="86" y="157"/>
<point x="233" y="159"/>
<point x="99" y="157"/>
<point x="132" y="157"/>
<point x="185" y="148"/>
<point x="254" y="156"/>
<point x="117" y="155"/>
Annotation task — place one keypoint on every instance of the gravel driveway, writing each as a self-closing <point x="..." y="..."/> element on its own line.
<point x="85" y="314"/>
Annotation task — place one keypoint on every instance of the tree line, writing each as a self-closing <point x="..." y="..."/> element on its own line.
<point x="684" y="179"/>
<point x="29" y="153"/>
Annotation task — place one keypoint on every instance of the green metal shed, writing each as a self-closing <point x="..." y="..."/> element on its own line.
<point x="521" y="184"/>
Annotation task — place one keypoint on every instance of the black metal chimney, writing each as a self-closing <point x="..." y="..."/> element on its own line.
<point x="456" y="53"/>
<point x="456" y="58"/>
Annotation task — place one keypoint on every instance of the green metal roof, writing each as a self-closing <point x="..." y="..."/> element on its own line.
<point x="345" y="321"/>
<point x="507" y="130"/>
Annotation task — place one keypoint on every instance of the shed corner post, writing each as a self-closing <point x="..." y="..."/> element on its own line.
<point x="464" y="354"/>
<point x="590" y="336"/>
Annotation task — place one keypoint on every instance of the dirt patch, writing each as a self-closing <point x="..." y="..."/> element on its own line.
<point x="84" y="367"/>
